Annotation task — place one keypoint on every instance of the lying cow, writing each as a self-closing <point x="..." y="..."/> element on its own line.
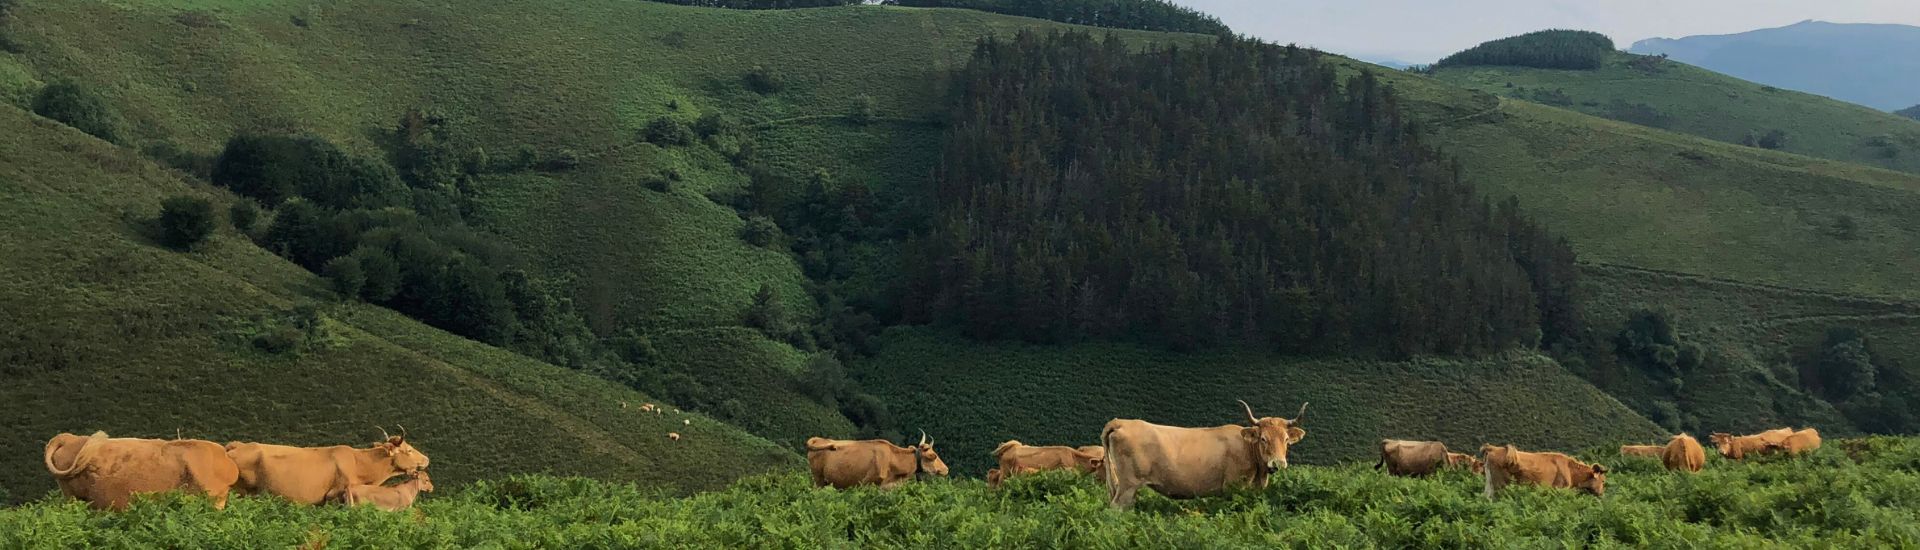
<point x="1684" y="454"/>
<point x="390" y="498"/>
<point x="1801" y="442"/>
<point x="1016" y="458"/>
<point x="1509" y="465"/>
<point x="312" y="475"/>
<point x="106" y="472"/>
<point x="1737" y="447"/>
<point x="1420" y="458"/>
<point x="1190" y="462"/>
<point x="844" y="464"/>
<point x="1647" y="451"/>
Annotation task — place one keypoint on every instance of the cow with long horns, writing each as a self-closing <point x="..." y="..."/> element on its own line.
<point x="1192" y="462"/>
<point x="312" y="475"/>
<point x="843" y="463"/>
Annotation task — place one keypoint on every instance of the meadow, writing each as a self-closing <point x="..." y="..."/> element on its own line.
<point x="1850" y="494"/>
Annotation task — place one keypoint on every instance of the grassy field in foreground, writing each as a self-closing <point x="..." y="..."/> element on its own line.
<point x="971" y="397"/>
<point x="1851" y="494"/>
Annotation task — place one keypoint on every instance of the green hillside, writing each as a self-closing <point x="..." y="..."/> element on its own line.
<point x="106" y="330"/>
<point x="1691" y="100"/>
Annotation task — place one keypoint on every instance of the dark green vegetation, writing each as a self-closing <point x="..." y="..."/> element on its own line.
<point x="1853" y="494"/>
<point x="1656" y="92"/>
<point x="1548" y="49"/>
<point x="1151" y="15"/>
<point x="1079" y="197"/>
<point x="78" y="106"/>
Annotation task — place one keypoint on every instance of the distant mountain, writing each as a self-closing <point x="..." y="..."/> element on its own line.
<point x="1910" y="112"/>
<point x="1871" y="64"/>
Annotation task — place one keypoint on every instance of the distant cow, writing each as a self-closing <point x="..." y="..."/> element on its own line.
<point x="394" y="498"/>
<point x="1801" y="442"/>
<point x="1465" y="461"/>
<point x="1016" y="458"/>
<point x="312" y="475"/>
<point x="1412" y="458"/>
<point x="844" y="464"/>
<point x="1508" y="465"/>
<point x="1648" y="451"/>
<point x="106" y="472"/>
<point x="1737" y="447"/>
<point x="1190" y="462"/>
<point x="1683" y="453"/>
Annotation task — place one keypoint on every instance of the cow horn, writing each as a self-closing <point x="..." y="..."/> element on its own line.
<point x="1250" y="417"/>
<point x="923" y="437"/>
<point x="383" y="433"/>
<point x="1296" y="416"/>
<point x="403" y="432"/>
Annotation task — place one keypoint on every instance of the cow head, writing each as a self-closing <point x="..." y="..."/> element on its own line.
<point x="425" y="483"/>
<point x="405" y="457"/>
<point x="927" y="460"/>
<point x="1722" y="442"/>
<point x="1272" y="436"/>
<point x="1596" y="482"/>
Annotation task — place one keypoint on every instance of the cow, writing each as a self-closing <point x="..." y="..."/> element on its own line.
<point x="312" y="475"/>
<point x="390" y="498"/>
<point x="1509" y="465"/>
<point x="1464" y="460"/>
<point x="1801" y="442"/>
<point x="106" y="472"/>
<point x="675" y="436"/>
<point x="1016" y="458"/>
<point x="1683" y="454"/>
<point x="1191" y="462"/>
<point x="1737" y="447"/>
<point x="993" y="477"/>
<point x="1420" y="458"/>
<point x="843" y="464"/>
<point x="1648" y="451"/>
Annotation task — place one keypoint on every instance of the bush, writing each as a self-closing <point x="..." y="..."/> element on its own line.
<point x="712" y="124"/>
<point x="243" y="214"/>
<point x="78" y="106"/>
<point x="863" y="110"/>
<point x="763" y="81"/>
<point x="345" y="276"/>
<point x="760" y="231"/>
<point x="185" y="221"/>
<point x="380" y="275"/>
<point x="275" y="168"/>
<point x="279" y="340"/>
<point x="665" y="130"/>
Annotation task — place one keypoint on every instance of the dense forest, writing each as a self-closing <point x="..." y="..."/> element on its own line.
<point x="1548" y="49"/>
<point x="1152" y="15"/>
<point x="1234" y="192"/>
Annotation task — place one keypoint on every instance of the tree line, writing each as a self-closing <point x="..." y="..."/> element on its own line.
<point x="1150" y="15"/>
<point x="1548" y="49"/>
<point x="1234" y="192"/>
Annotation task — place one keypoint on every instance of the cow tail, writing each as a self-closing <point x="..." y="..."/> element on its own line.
<point x="88" y="448"/>
<point x="1112" y="464"/>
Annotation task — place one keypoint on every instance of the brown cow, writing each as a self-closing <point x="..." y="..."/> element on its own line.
<point x="312" y="475"/>
<point x="1190" y="462"/>
<point x="1508" y="465"/>
<point x="1464" y="460"/>
<point x="1648" y="451"/>
<point x="1016" y="458"/>
<point x="1412" y="458"/>
<point x="1683" y="453"/>
<point x="1801" y="442"/>
<point x="106" y="472"/>
<point x="394" y="498"/>
<point x="1737" y="447"/>
<point x="844" y="464"/>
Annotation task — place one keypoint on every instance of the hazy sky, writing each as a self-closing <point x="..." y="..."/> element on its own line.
<point x="1421" y="31"/>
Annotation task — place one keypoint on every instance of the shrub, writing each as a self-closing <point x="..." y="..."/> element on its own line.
<point x="243" y="214"/>
<point x="274" y="168"/>
<point x="345" y="276"/>
<point x="279" y="340"/>
<point x="78" y="106"/>
<point x="760" y="231"/>
<point x="863" y="110"/>
<point x="763" y="81"/>
<point x="380" y="275"/>
<point x="185" y="221"/>
<point x="712" y="124"/>
<point x="665" y="130"/>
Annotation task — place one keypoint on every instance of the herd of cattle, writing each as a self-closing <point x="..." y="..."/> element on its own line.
<point x="1174" y="461"/>
<point x="1181" y="462"/>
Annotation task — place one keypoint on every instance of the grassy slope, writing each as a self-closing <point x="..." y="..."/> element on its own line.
<point x="108" y="331"/>
<point x="1715" y="106"/>
<point x="972" y="397"/>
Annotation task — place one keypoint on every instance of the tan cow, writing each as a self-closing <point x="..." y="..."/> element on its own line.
<point x="1465" y="461"/>
<point x="312" y="475"/>
<point x="1016" y="458"/>
<point x="1737" y="447"/>
<point x="1647" y="451"/>
<point x="844" y="464"/>
<point x="1801" y="442"/>
<point x="1412" y="458"/>
<point x="106" y="472"/>
<point x="1190" y="462"/>
<point x="391" y="498"/>
<point x="1509" y="465"/>
<point x="1683" y="453"/>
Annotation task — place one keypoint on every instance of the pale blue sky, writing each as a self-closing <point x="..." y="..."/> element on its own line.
<point x="1420" y="31"/>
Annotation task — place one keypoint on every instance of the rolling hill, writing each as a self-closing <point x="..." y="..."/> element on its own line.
<point x="1868" y="64"/>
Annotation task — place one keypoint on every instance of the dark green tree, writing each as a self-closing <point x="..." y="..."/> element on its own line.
<point x="185" y="221"/>
<point x="78" y="106"/>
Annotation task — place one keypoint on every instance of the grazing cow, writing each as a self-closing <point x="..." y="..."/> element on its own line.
<point x="1016" y="458"/>
<point x="1737" y="447"/>
<point x="1412" y="458"/>
<point x="1683" y="453"/>
<point x="1801" y="442"/>
<point x="1190" y="462"/>
<point x="1508" y="465"/>
<point x="392" y="499"/>
<point x="844" y="464"/>
<point x="1466" y="461"/>
<point x="1648" y="451"/>
<point x="106" y="472"/>
<point x="312" y="475"/>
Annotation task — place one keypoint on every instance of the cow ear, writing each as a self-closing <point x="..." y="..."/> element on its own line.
<point x="1250" y="434"/>
<point x="1599" y="468"/>
<point x="1294" y="435"/>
